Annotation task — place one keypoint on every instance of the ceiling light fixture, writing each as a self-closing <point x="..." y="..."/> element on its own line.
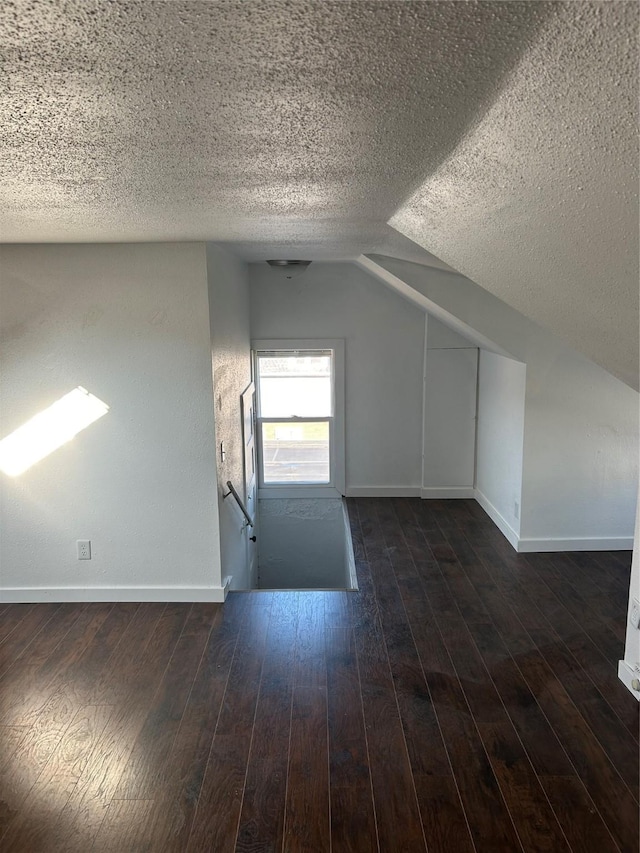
<point x="289" y="269"/>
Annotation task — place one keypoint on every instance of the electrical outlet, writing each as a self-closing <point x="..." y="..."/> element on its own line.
<point x="516" y="509"/>
<point x="84" y="549"/>
<point x="634" y="613"/>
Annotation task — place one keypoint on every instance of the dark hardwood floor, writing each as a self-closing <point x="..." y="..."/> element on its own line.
<point x="464" y="699"/>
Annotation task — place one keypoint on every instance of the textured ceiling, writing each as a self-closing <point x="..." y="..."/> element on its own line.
<point x="300" y="128"/>
<point x="268" y="124"/>
<point x="539" y="202"/>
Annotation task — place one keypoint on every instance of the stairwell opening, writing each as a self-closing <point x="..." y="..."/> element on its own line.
<point x="305" y="543"/>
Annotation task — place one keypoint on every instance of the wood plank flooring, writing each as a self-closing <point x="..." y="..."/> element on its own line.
<point x="464" y="700"/>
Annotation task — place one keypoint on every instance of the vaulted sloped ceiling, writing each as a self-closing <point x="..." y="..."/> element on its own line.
<point x="497" y="136"/>
<point x="539" y="202"/>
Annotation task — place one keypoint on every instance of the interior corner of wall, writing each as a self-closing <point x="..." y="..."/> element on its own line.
<point x="217" y="579"/>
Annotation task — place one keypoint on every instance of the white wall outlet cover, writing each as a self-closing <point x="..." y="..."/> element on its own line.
<point x="634" y="613"/>
<point x="84" y="549"/>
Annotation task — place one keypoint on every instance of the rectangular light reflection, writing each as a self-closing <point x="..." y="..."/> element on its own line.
<point x="49" y="430"/>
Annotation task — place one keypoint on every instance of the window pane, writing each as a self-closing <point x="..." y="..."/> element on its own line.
<point x="295" y="385"/>
<point x="295" y="452"/>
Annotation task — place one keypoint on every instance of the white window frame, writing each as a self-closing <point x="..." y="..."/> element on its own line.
<point x="336" y="485"/>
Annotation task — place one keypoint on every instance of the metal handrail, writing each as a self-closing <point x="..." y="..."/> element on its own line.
<point x="233" y="492"/>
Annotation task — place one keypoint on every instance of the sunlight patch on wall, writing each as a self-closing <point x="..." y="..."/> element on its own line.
<point x="49" y="430"/>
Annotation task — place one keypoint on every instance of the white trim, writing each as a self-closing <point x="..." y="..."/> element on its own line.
<point x="446" y="492"/>
<point x="336" y="421"/>
<point x="40" y="594"/>
<point x="501" y="523"/>
<point x="383" y="492"/>
<point x="417" y="298"/>
<point x="535" y="546"/>
<point x="350" y="557"/>
<point x="584" y="543"/>
<point x="425" y="351"/>
<point x="626" y="674"/>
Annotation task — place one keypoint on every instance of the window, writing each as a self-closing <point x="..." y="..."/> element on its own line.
<point x="299" y="404"/>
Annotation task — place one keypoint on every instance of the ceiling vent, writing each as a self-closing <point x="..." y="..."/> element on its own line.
<point x="289" y="269"/>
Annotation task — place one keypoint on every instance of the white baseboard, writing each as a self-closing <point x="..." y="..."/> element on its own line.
<point x="501" y="523"/>
<point x="586" y="543"/>
<point x="40" y="594"/>
<point x="383" y="492"/>
<point x="411" y="492"/>
<point x="446" y="492"/>
<point x="351" y="575"/>
<point x="626" y="674"/>
<point x="527" y="545"/>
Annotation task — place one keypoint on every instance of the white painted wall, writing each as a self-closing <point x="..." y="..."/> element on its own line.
<point x="231" y="358"/>
<point x="449" y="413"/>
<point x="580" y="477"/>
<point x="500" y="438"/>
<point x="131" y="324"/>
<point x="302" y="544"/>
<point x="580" y="458"/>
<point x="384" y="345"/>
<point x="440" y="336"/>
